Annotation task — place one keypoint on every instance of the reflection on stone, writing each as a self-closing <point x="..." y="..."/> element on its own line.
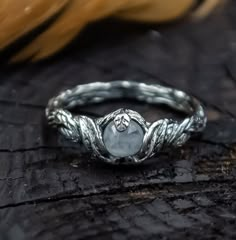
<point x="123" y="144"/>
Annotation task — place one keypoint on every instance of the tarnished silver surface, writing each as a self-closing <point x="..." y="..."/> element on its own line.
<point x="158" y="135"/>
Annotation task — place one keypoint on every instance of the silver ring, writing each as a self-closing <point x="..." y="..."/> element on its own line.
<point x="124" y="136"/>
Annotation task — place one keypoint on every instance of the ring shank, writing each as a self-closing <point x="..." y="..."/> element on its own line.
<point x="151" y="93"/>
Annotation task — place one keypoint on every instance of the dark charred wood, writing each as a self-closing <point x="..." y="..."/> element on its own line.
<point x="50" y="190"/>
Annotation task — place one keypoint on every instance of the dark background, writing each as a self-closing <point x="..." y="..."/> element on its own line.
<point x="48" y="190"/>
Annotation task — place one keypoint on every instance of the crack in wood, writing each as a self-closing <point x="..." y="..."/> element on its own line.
<point x="156" y="190"/>
<point x="47" y="193"/>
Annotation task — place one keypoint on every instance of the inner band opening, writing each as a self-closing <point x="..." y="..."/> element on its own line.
<point x="152" y="94"/>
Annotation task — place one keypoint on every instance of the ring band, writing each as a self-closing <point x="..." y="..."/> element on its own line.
<point x="124" y="136"/>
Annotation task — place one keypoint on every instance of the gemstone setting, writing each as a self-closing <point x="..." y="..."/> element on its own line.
<point x="123" y="143"/>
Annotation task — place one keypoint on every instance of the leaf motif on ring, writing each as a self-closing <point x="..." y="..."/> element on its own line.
<point x="122" y="122"/>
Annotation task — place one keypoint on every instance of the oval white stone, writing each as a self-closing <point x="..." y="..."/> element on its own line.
<point x="123" y="144"/>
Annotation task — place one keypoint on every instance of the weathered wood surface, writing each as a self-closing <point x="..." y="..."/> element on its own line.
<point x="49" y="191"/>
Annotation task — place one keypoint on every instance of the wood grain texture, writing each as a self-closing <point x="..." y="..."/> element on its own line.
<point x="50" y="190"/>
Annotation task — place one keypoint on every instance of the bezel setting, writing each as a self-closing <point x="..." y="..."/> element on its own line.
<point x="117" y="116"/>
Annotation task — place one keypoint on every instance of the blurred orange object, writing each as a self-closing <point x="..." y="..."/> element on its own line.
<point x="19" y="17"/>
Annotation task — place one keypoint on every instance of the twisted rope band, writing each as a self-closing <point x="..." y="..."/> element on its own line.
<point x="157" y="135"/>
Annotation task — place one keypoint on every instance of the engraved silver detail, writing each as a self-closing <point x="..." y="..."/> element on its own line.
<point x="158" y="135"/>
<point x="122" y="122"/>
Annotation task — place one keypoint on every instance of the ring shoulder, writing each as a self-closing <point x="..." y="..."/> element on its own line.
<point x="66" y="124"/>
<point x="166" y="133"/>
